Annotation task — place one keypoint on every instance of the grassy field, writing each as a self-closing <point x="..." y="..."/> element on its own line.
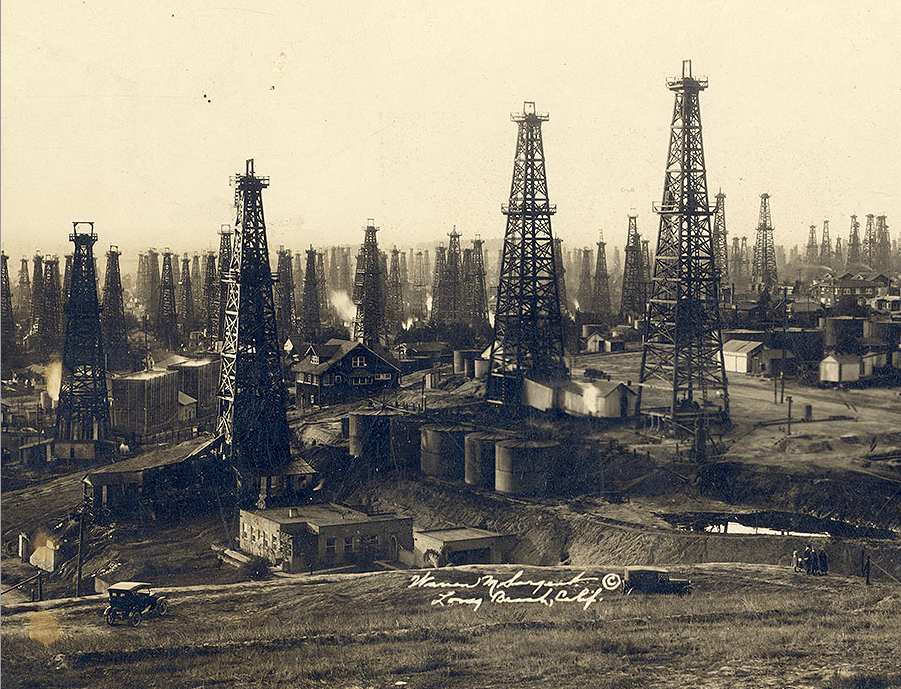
<point x="744" y="626"/>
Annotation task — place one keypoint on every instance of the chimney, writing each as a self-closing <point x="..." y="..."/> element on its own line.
<point x="292" y="511"/>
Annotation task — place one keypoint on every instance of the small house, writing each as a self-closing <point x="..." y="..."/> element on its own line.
<point x="738" y="355"/>
<point x="460" y="546"/>
<point x="602" y="399"/>
<point x="841" y="368"/>
<point x="342" y="370"/>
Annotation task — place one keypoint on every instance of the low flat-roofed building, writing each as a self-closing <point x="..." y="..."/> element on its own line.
<point x="738" y="355"/>
<point x="841" y="368"/>
<point x="460" y="546"/>
<point x="323" y="535"/>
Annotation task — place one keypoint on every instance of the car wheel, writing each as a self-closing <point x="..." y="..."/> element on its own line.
<point x="162" y="607"/>
<point x="110" y="617"/>
<point x="135" y="618"/>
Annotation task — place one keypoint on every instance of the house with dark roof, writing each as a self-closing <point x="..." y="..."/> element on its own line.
<point x="342" y="370"/>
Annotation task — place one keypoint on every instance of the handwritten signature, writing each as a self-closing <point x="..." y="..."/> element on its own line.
<point x="583" y="589"/>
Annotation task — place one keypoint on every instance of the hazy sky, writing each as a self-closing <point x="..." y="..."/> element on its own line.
<point x="134" y="115"/>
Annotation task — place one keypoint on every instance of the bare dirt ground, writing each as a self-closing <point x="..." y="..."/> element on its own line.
<point x="744" y="626"/>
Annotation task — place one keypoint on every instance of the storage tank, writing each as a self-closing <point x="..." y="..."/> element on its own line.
<point x="479" y="457"/>
<point x="369" y="436"/>
<point x="469" y="366"/>
<point x="405" y="441"/>
<point x="442" y="451"/>
<point x="480" y="368"/>
<point x="522" y="467"/>
<point x="458" y="361"/>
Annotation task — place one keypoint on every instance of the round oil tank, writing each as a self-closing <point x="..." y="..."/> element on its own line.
<point x="479" y="457"/>
<point x="459" y="366"/>
<point x="442" y="451"/>
<point x="587" y="329"/>
<point x="369" y="435"/>
<point x="469" y="366"/>
<point x="480" y="368"/>
<point x="522" y="467"/>
<point x="405" y="442"/>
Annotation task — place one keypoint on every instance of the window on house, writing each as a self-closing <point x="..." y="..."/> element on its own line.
<point x="330" y="545"/>
<point x="349" y="544"/>
<point x="314" y="359"/>
<point x="383" y="376"/>
<point x="274" y="541"/>
<point x="372" y="540"/>
<point x="359" y="362"/>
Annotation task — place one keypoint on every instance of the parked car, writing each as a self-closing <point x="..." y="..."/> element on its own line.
<point x="653" y="580"/>
<point x="133" y="601"/>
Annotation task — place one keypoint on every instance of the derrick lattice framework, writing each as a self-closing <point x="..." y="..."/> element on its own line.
<point x="285" y="315"/>
<point x="311" y="318"/>
<point x="838" y="254"/>
<point x="826" y="246"/>
<point x="479" y="301"/>
<point x="50" y="327"/>
<point x="166" y="313"/>
<point x="9" y="346"/>
<point x="22" y="301"/>
<point x="584" y="293"/>
<point x="112" y="317"/>
<point x="882" y="255"/>
<point x="869" y="241"/>
<point x="210" y="302"/>
<point x="812" y="256"/>
<point x="763" y="272"/>
<point x="83" y="411"/>
<point x="226" y="236"/>
<point x="647" y="269"/>
<point x="325" y="308"/>
<point x="683" y="344"/>
<point x="600" y="296"/>
<point x="197" y="284"/>
<point x="720" y="240"/>
<point x="450" y="306"/>
<point x="419" y="297"/>
<point x="632" y="301"/>
<point x="369" y="324"/>
<point x="853" y="258"/>
<point x="252" y="418"/>
<point x="187" y="316"/>
<point x="395" y="305"/>
<point x="528" y="325"/>
<point x="437" y="290"/>
<point x="37" y="291"/>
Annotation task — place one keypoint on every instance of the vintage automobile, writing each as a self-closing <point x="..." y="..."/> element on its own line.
<point x="653" y="580"/>
<point x="132" y="601"/>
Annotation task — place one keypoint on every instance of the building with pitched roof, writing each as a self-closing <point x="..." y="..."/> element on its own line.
<point x="342" y="370"/>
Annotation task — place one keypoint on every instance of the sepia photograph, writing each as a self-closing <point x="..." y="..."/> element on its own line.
<point x="406" y="345"/>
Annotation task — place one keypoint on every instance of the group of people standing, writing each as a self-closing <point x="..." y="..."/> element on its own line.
<point x="811" y="561"/>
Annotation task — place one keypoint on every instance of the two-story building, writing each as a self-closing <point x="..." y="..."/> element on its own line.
<point x="341" y="370"/>
<point x="859" y="286"/>
<point x="325" y="535"/>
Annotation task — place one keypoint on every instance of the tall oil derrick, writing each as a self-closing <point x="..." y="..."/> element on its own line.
<point x="683" y="344"/>
<point x="617" y="263"/>
<point x="50" y="319"/>
<point x="310" y="315"/>
<point x="633" y="298"/>
<point x="252" y="416"/>
<point x="813" y="248"/>
<point x="83" y="412"/>
<point x="9" y="346"/>
<point x="479" y="302"/>
<point x="395" y="303"/>
<point x="528" y="324"/>
<point x="853" y="258"/>
<point x="647" y="268"/>
<point x="584" y="294"/>
<point x="112" y="316"/>
<point x="763" y="274"/>
<point x="167" y="314"/>
<point x="882" y="255"/>
<point x="197" y="284"/>
<point x="826" y="246"/>
<point x="600" y="294"/>
<point x="561" y="278"/>
<point x="466" y="285"/>
<point x="869" y="241"/>
<point x="369" y="324"/>
<point x="142" y="280"/>
<point x="735" y="265"/>
<point x="187" y="316"/>
<point x="285" y="315"/>
<point x="745" y="263"/>
<point x="332" y="279"/>
<point x="404" y="278"/>
<point x="326" y="312"/>
<point x="22" y="302"/>
<point x="420" y="287"/>
<point x="37" y="290"/>
<point x="153" y="272"/>
<point x="176" y="272"/>
<point x="209" y="295"/>
<point x="452" y="307"/>
<point x="437" y="314"/>
<point x="226" y="237"/>
<point x="838" y="254"/>
<point x="720" y="240"/>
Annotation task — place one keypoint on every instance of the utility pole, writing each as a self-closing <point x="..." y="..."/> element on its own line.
<point x="789" y="398"/>
<point x="81" y="511"/>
